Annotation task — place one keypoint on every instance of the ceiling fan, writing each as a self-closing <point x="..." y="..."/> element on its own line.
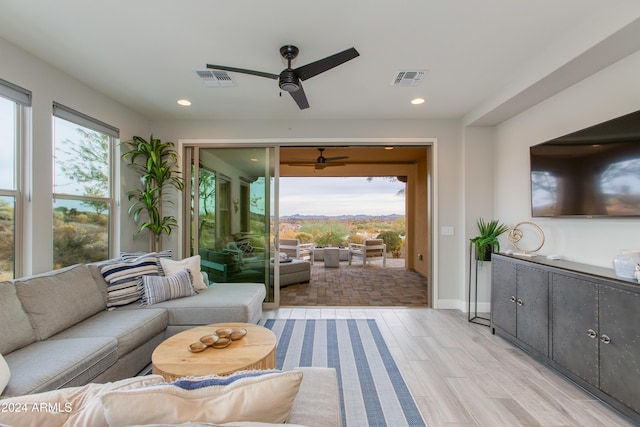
<point x="289" y="79"/>
<point x="322" y="161"/>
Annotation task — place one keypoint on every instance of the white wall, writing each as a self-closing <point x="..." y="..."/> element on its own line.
<point x="447" y="132"/>
<point x="613" y="92"/>
<point x="478" y="200"/>
<point x="47" y="85"/>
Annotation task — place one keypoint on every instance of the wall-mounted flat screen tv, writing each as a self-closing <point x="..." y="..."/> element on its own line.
<point x="594" y="172"/>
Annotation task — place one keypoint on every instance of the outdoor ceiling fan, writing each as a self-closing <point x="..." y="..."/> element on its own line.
<point x="290" y="79"/>
<point x="322" y="161"/>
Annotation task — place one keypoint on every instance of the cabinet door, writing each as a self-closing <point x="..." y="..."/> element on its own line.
<point x="532" y="317"/>
<point x="574" y="326"/>
<point x="503" y="295"/>
<point x="620" y="345"/>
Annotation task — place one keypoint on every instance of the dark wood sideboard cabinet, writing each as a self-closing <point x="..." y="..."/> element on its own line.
<point x="578" y="319"/>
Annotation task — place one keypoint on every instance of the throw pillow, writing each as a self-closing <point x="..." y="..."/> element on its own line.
<point x="122" y="279"/>
<point x="155" y="289"/>
<point x="192" y="264"/>
<point x="265" y="397"/>
<point x="5" y="374"/>
<point x="68" y="407"/>
<point x="130" y="256"/>
<point x="246" y="248"/>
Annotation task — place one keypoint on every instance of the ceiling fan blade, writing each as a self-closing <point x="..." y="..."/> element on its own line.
<point x="300" y="98"/>
<point x="243" y="71"/>
<point x="331" y="159"/>
<point x="326" y="165"/>
<point x="322" y="65"/>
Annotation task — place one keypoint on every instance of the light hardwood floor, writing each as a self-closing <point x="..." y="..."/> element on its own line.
<point x="462" y="375"/>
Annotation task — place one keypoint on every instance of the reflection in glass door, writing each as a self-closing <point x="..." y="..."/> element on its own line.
<point x="231" y="202"/>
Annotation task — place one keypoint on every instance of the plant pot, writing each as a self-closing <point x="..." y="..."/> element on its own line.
<point x="487" y="254"/>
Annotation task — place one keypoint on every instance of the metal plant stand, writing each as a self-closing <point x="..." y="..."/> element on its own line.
<point x="473" y="317"/>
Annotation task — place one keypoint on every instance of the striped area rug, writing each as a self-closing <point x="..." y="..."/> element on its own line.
<point x="372" y="389"/>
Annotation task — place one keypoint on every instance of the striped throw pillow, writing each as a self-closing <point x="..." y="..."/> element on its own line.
<point x="122" y="279"/>
<point x="132" y="256"/>
<point x="155" y="289"/>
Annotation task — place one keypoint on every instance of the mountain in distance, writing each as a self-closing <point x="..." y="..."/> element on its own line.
<point x="299" y="217"/>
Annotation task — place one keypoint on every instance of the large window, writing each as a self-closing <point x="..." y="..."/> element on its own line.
<point x="14" y="102"/>
<point x="82" y="187"/>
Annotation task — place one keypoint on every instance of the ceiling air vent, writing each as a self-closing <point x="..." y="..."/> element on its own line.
<point x="408" y="77"/>
<point x="215" y="78"/>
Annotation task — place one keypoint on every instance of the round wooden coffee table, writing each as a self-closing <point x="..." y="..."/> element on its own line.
<point x="256" y="350"/>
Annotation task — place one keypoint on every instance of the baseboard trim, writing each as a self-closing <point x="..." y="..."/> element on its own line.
<point x="450" y="304"/>
<point x="455" y="304"/>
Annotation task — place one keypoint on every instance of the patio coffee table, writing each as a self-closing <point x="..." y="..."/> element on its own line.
<point x="256" y="350"/>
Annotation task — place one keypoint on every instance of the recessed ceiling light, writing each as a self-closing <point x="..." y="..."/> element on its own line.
<point x="417" y="101"/>
<point x="388" y="148"/>
<point x="253" y="159"/>
<point x="184" y="102"/>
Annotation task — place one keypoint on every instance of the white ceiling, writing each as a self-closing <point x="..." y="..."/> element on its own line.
<point x="487" y="59"/>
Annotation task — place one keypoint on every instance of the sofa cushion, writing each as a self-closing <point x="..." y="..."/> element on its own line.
<point x="155" y="289"/>
<point x="5" y="374"/>
<point x="58" y="299"/>
<point x="131" y="328"/>
<point x="270" y="393"/>
<point x="15" y="326"/>
<point x="192" y="264"/>
<point x="122" y="279"/>
<point x="96" y="273"/>
<point x="78" y="406"/>
<point x="52" y="364"/>
<point x="224" y="302"/>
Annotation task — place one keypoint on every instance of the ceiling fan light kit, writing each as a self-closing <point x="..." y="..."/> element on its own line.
<point x="289" y="80"/>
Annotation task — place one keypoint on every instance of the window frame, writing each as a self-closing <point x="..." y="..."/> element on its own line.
<point x="70" y="115"/>
<point x="21" y="98"/>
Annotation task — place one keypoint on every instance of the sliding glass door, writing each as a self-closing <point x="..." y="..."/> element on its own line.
<point x="231" y="216"/>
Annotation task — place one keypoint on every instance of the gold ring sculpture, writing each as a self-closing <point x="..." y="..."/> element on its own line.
<point x="515" y="235"/>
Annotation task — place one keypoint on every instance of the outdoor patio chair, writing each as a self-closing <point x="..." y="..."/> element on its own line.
<point x="294" y="249"/>
<point x="371" y="249"/>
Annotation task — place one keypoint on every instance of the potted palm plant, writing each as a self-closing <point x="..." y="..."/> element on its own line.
<point x="157" y="163"/>
<point x="487" y="242"/>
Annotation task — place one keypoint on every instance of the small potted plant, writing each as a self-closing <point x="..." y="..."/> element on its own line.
<point x="487" y="242"/>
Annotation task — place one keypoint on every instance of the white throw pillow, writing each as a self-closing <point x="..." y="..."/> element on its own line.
<point x="5" y="374"/>
<point x="68" y="407"/>
<point x="192" y="264"/>
<point x="260" y="396"/>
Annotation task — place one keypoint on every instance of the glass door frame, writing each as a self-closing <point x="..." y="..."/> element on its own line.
<point x="190" y="151"/>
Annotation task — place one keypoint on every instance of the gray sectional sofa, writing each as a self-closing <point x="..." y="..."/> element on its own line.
<point x="56" y="330"/>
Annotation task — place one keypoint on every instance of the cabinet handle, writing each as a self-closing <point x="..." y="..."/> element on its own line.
<point x="605" y="339"/>
<point x="519" y="302"/>
<point x="591" y="333"/>
<point x="512" y="299"/>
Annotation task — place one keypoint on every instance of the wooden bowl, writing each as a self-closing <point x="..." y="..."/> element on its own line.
<point x="209" y="339"/>
<point x="222" y="343"/>
<point x="237" y="333"/>
<point x="223" y="332"/>
<point x="197" y="347"/>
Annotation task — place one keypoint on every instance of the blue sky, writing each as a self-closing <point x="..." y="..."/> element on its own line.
<point x="340" y="196"/>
